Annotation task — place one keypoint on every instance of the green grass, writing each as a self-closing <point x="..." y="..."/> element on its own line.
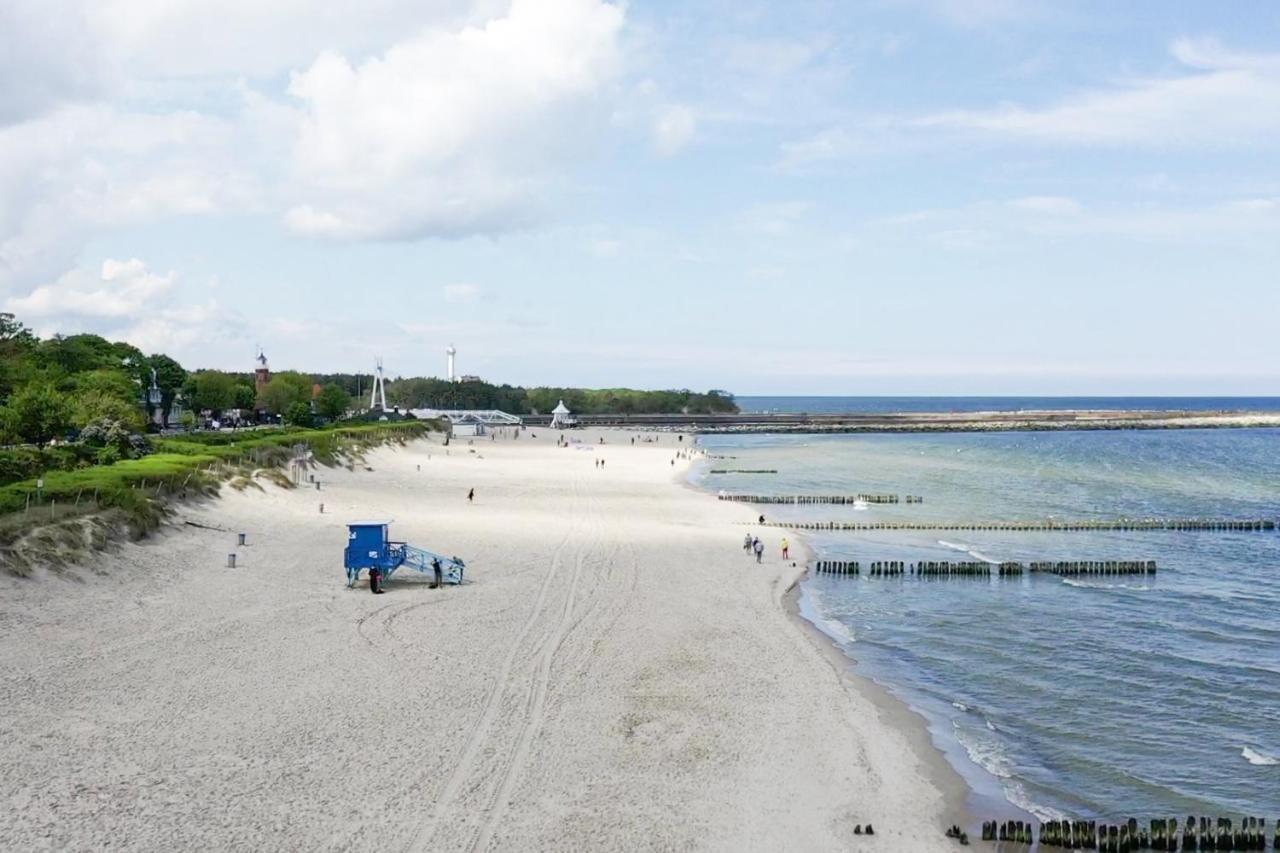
<point x="177" y="464"/>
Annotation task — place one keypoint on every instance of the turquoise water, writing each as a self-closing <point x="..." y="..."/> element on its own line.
<point x="1094" y="698"/>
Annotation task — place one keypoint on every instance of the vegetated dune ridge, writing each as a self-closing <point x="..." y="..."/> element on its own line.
<point x="616" y="674"/>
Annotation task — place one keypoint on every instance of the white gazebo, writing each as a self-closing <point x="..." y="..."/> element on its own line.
<point x="560" y="417"/>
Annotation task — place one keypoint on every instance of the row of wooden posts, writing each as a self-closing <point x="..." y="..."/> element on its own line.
<point x="979" y="568"/>
<point x="1163" y="834"/>
<point x="1214" y="524"/>
<point x="824" y="499"/>
<point x="744" y="470"/>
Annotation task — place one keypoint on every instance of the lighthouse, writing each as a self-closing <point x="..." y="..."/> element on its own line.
<point x="261" y="372"/>
<point x="450" y="352"/>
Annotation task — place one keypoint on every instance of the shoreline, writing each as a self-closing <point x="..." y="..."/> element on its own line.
<point x="896" y="712"/>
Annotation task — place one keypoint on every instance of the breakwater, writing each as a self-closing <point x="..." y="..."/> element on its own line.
<point x="744" y="471"/>
<point x="1167" y="834"/>
<point x="821" y="499"/>
<point x="1090" y="525"/>
<point x="978" y="568"/>
<point x="927" y="422"/>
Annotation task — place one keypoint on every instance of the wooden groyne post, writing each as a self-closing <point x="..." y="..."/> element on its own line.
<point x="1219" y="525"/>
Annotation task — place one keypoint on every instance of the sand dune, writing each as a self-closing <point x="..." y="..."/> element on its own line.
<point x="616" y="675"/>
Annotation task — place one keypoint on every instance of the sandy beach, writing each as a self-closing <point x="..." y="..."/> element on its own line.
<point x="616" y="674"/>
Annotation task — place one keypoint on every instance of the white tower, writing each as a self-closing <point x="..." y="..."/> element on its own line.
<point x="378" y="397"/>
<point x="451" y="351"/>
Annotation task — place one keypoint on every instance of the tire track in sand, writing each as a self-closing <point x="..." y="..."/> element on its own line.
<point x="536" y="710"/>
<point x="453" y="786"/>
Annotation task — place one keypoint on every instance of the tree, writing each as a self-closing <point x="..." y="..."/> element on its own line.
<point x="332" y="402"/>
<point x="95" y="405"/>
<point x="169" y="377"/>
<point x="245" y="396"/>
<point x="37" y="414"/>
<point x="210" y="389"/>
<point x="285" y="389"/>
<point x="16" y="344"/>
<point x="298" y="414"/>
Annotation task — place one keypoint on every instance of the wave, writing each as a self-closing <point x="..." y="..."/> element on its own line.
<point x="837" y="630"/>
<point x="977" y="555"/>
<point x="1096" y="585"/>
<point x="1259" y="759"/>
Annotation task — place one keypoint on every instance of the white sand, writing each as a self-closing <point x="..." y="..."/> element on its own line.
<point x="617" y="674"/>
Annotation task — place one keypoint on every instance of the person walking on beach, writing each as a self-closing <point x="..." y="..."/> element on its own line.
<point x="759" y="548"/>
<point x="471" y="496"/>
<point x="746" y="543"/>
<point x="439" y="572"/>
<point x="375" y="580"/>
<point x="786" y="547"/>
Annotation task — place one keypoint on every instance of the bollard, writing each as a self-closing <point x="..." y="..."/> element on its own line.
<point x="231" y="561"/>
<point x="240" y="539"/>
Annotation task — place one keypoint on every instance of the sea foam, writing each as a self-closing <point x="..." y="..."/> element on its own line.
<point x="1260" y="759"/>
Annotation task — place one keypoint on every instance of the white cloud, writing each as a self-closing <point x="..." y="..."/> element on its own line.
<point x="121" y="289"/>
<point x="673" y="128"/>
<point x="80" y="169"/>
<point x="991" y="225"/>
<point x="126" y="300"/>
<point x="775" y="218"/>
<point x="1225" y="99"/>
<point x="450" y="131"/>
<point x="458" y="293"/>
<point x="1050" y="204"/>
<point x="605" y="247"/>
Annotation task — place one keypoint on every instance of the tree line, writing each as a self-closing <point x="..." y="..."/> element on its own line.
<point x="84" y="384"/>
<point x="432" y="393"/>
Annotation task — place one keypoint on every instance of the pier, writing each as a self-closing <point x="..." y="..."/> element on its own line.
<point x="1242" y="525"/>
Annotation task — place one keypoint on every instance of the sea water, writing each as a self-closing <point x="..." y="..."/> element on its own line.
<point x="1089" y="697"/>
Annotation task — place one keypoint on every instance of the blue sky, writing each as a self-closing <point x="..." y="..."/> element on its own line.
<point x="902" y="196"/>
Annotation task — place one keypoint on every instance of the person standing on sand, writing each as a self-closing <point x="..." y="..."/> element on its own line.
<point x="375" y="580"/>
<point x="439" y="572"/>
<point x="759" y="547"/>
<point x="471" y="496"/>
<point x="746" y="543"/>
<point x="786" y="546"/>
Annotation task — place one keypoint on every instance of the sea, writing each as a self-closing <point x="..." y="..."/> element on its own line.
<point x="1092" y="697"/>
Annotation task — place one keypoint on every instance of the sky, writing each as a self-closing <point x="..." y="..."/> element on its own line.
<point x="884" y="197"/>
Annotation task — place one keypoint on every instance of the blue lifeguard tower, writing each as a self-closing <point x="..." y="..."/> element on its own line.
<point x="369" y="546"/>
